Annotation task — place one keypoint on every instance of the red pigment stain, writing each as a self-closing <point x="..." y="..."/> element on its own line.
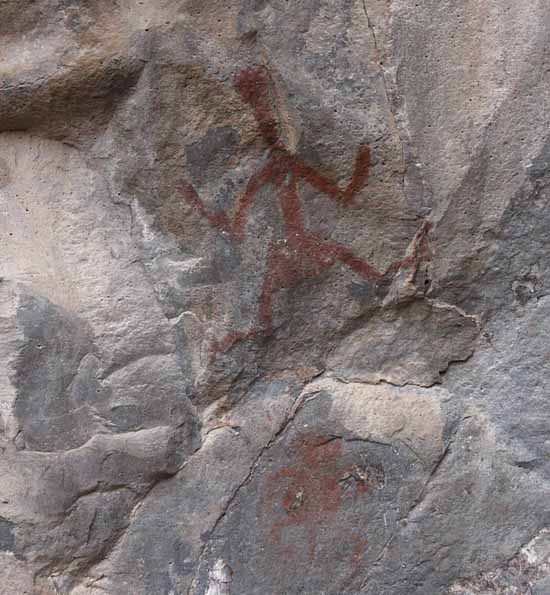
<point x="302" y="254"/>
<point x="358" y="552"/>
<point x="313" y="490"/>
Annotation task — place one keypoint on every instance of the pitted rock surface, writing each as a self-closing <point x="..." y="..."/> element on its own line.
<point x="274" y="309"/>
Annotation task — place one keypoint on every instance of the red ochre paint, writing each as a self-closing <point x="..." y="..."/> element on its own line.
<point x="313" y="489"/>
<point x="305" y="254"/>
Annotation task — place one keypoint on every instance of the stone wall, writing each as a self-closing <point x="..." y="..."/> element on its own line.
<point x="274" y="297"/>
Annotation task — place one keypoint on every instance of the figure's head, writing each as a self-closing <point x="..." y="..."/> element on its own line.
<point x="254" y="86"/>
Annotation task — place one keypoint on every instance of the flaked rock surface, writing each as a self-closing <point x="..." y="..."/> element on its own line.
<point x="274" y="297"/>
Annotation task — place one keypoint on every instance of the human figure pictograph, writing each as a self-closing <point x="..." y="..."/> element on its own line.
<point x="303" y="254"/>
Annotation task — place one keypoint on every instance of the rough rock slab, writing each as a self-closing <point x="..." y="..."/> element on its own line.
<point x="274" y="308"/>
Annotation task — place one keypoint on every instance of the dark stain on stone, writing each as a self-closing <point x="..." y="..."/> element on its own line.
<point x="210" y="152"/>
<point x="5" y="177"/>
<point x="359" y="290"/>
<point x="7" y="536"/>
<point x="184" y="559"/>
<point x="46" y="369"/>
<point x="525" y="288"/>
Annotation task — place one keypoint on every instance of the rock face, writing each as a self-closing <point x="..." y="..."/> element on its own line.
<point x="274" y="308"/>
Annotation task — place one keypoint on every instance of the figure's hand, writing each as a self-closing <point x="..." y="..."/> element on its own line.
<point x="331" y="189"/>
<point x="360" y="175"/>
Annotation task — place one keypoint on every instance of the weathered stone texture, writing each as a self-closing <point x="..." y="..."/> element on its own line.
<point x="274" y="308"/>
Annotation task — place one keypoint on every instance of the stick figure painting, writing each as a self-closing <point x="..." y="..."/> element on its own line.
<point x="301" y="253"/>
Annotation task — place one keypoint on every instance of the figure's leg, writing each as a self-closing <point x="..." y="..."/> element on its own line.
<point x="419" y="250"/>
<point x="358" y="180"/>
<point x="254" y="316"/>
<point x="260" y="322"/>
<point x="283" y="270"/>
<point x="226" y="343"/>
<point x="346" y="256"/>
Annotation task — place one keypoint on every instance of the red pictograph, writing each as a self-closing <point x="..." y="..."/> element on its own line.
<point x="304" y="253"/>
<point x="313" y="490"/>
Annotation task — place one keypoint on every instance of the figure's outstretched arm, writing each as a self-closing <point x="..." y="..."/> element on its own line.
<point x="358" y="180"/>
<point x="218" y="220"/>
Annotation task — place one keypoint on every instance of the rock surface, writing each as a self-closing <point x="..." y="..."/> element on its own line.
<point x="274" y="297"/>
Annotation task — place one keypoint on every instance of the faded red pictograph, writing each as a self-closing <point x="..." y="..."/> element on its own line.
<point x="303" y="254"/>
<point x="311" y="491"/>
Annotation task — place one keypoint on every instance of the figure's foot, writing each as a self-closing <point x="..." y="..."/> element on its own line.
<point x="226" y="343"/>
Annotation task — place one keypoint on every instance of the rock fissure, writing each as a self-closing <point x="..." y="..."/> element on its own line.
<point x="295" y="409"/>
